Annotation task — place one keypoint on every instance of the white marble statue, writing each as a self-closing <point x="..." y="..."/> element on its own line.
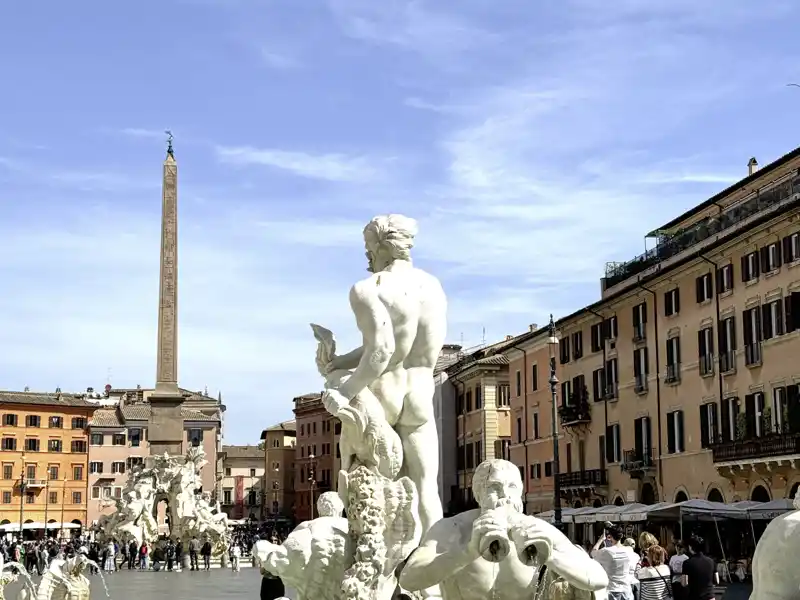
<point x="775" y="572"/>
<point x="401" y="312"/>
<point x="314" y="557"/>
<point x="495" y="551"/>
<point x="176" y="480"/>
<point x="64" y="579"/>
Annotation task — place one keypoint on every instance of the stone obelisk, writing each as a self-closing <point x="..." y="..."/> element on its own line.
<point x="165" y="428"/>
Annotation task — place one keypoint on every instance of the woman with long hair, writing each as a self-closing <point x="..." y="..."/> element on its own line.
<point x="654" y="579"/>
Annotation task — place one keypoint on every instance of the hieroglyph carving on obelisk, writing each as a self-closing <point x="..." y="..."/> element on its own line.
<point x="167" y="370"/>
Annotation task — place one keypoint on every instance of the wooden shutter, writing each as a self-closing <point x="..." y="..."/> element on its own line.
<point x="747" y="318"/>
<point x="705" y="440"/>
<point x="766" y="321"/>
<point x="637" y="362"/>
<point x="725" y="413"/>
<point x="699" y="289"/>
<point x="745" y="274"/>
<point x="671" y="433"/>
<point x="720" y="277"/>
<point x="670" y="353"/>
<point x="644" y="312"/>
<point x="677" y="350"/>
<point x="763" y="254"/>
<point x="596" y="385"/>
<point x="702" y="350"/>
<point x="778" y="257"/>
<point x="668" y="308"/>
<point x="646" y="353"/>
<point x="750" y="415"/>
<point x="603" y="449"/>
<point x="679" y="440"/>
<point x="638" y="442"/>
<point x="791" y="309"/>
<point x="793" y="407"/>
<point x="733" y="333"/>
<point x="787" y="249"/>
<point x="677" y="301"/>
<point x="778" y="318"/>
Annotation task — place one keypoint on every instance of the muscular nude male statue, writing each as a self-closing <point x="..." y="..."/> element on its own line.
<point x="454" y="552"/>
<point x="401" y="312"/>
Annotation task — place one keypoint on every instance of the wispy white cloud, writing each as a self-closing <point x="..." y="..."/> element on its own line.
<point x="136" y="132"/>
<point x="277" y="60"/>
<point x="330" y="167"/>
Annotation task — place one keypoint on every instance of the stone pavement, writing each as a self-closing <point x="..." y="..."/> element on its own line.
<point x="148" y="585"/>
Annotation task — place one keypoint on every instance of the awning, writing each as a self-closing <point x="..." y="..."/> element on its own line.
<point x="698" y="510"/>
<point x="767" y="511"/>
<point x="549" y="515"/>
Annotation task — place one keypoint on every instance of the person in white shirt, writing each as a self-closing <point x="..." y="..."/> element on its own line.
<point x="654" y="580"/>
<point x="676" y="566"/>
<point x="630" y="545"/>
<point x="615" y="560"/>
<point x="236" y="555"/>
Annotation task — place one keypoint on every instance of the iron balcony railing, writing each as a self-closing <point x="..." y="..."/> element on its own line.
<point x="752" y="354"/>
<point x="572" y="414"/>
<point x="587" y="478"/>
<point x="673" y="373"/>
<point x="670" y="246"/>
<point x="727" y="361"/>
<point x="767" y="446"/>
<point x="637" y="460"/>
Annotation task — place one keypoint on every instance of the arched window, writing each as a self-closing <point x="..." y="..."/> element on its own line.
<point x="681" y="496"/>
<point x="618" y="501"/>
<point x="760" y="494"/>
<point x="714" y="495"/>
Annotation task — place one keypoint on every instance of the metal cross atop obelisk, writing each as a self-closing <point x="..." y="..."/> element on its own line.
<point x="165" y="428"/>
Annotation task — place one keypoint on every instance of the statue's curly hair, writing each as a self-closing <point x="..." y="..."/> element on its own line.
<point x="393" y="232"/>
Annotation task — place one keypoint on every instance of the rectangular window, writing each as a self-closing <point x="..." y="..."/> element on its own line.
<point x="727" y="344"/>
<point x="8" y="471"/>
<point x="724" y="278"/>
<point x="31" y="444"/>
<point x="791" y="247"/>
<point x="673" y="359"/>
<point x="56" y="422"/>
<point x="641" y="369"/>
<point x="478" y="397"/>
<point x="195" y="437"/>
<point x="611" y="328"/>
<point x="566" y="393"/>
<point x="729" y="413"/>
<point x="705" y="350"/>
<point x="548" y="469"/>
<point x="564" y="354"/>
<point x="95" y="492"/>
<point x="79" y="423"/>
<point x="97" y="439"/>
<point x="9" y="420"/>
<point x="613" y="450"/>
<point x="597" y="337"/>
<point x="519" y="429"/>
<point x="30" y="472"/>
<point x="534" y="378"/>
<point x="6" y="497"/>
<point x="612" y="378"/>
<point x="598" y="384"/>
<point x="536" y="426"/>
<point x="503" y="395"/>
<point x="95" y="467"/>
<point x="672" y="302"/>
<point x="118" y="439"/>
<point x="53" y="498"/>
<point x="640" y="322"/>
<point x="9" y="443"/>
<point x="704" y="286"/>
<point x="54" y="445"/>
<point x="52" y="472"/>
<point x="780" y="410"/>
<point x="33" y="421"/>
<point x="518" y="383"/>
<point x="76" y="497"/>
<point x="751" y="332"/>
<point x="770" y="258"/>
<point x="750" y="267"/>
<point x="135" y="437"/>
<point x="78" y="446"/>
<point x="577" y="345"/>
<point x="772" y="319"/>
<point x="708" y="424"/>
<point x="77" y="473"/>
<point x="30" y="498"/>
<point x="675" y="442"/>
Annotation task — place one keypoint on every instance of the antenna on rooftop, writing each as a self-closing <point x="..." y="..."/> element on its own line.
<point x="483" y="335"/>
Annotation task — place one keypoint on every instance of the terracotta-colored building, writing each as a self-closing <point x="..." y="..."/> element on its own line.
<point x="314" y="454"/>
<point x="45" y="462"/>
<point x="683" y="380"/>
<point x="118" y="440"/>
<point x="243" y="482"/>
<point x="280" y="443"/>
<point x="483" y="424"/>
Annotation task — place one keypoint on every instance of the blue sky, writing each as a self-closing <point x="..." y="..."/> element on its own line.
<point x="533" y="141"/>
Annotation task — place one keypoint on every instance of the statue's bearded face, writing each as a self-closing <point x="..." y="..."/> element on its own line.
<point x="378" y="258"/>
<point x="502" y="490"/>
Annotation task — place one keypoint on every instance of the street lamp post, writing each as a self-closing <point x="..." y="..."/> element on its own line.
<point x="312" y="476"/>
<point x="46" y="501"/>
<point x="22" y="487"/>
<point x="275" y="487"/>
<point x="553" y="344"/>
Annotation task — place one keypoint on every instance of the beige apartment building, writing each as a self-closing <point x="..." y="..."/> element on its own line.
<point x="483" y="427"/>
<point x="243" y="482"/>
<point x="118" y="441"/>
<point x="683" y="380"/>
<point x="280" y="442"/>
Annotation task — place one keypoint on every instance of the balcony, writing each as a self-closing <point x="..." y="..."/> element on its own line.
<point x="752" y="354"/>
<point x="769" y="446"/>
<point x="640" y="383"/>
<point x="727" y="361"/>
<point x="673" y="374"/>
<point x="706" y="365"/>
<point x="575" y="414"/>
<point x="32" y="483"/>
<point x="638" y="462"/>
<point x="587" y="479"/>
<point x="639" y="332"/>
<point x="704" y="232"/>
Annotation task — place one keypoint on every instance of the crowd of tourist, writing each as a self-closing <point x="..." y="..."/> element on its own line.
<point x="645" y="571"/>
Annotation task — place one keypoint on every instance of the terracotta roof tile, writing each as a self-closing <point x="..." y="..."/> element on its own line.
<point x="243" y="452"/>
<point x="45" y="399"/>
<point x="109" y="417"/>
<point x="105" y="417"/>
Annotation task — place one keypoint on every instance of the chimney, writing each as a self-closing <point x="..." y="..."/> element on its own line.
<point x="533" y="327"/>
<point x="752" y="166"/>
<point x="509" y="337"/>
<point x="90" y="390"/>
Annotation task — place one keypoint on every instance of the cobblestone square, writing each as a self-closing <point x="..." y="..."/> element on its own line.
<point x="147" y="585"/>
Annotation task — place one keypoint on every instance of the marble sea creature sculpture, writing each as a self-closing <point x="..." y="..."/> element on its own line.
<point x="775" y="572"/>
<point x="496" y="550"/>
<point x="64" y="579"/>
